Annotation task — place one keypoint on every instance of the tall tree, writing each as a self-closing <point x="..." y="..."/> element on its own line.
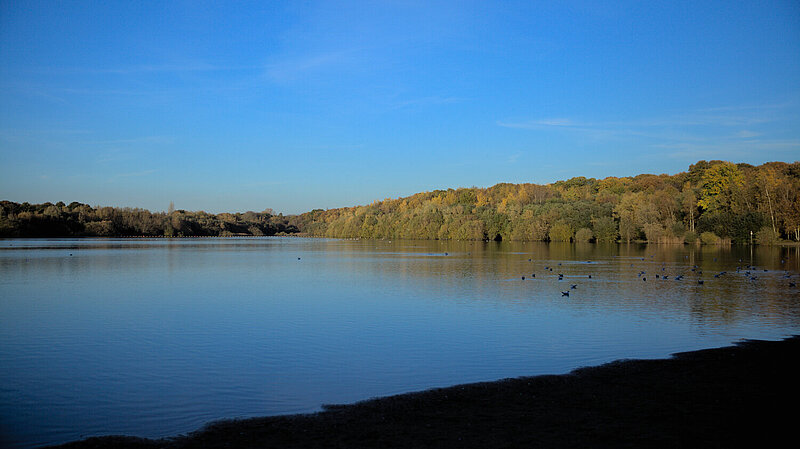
<point x="719" y="184"/>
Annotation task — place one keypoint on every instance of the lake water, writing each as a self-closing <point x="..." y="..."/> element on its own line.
<point x="158" y="337"/>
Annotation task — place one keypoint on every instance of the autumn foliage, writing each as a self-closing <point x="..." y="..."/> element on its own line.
<point x="722" y="198"/>
<point x="714" y="201"/>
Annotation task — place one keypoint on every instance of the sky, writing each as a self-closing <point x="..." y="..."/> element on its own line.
<point x="236" y="106"/>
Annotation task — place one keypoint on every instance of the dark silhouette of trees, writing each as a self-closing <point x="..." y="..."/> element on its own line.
<point x="82" y="220"/>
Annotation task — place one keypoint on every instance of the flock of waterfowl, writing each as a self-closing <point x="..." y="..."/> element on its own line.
<point x="560" y="278"/>
<point x="748" y="271"/>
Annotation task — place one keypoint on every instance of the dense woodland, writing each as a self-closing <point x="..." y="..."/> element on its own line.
<point x="714" y="202"/>
<point x="76" y="219"/>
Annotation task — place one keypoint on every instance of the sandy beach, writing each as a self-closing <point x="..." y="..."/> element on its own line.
<point x="738" y="396"/>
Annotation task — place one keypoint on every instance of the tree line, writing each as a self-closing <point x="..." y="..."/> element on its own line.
<point x="81" y="220"/>
<point x="713" y="202"/>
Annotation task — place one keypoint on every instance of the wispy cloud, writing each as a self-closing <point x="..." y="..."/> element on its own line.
<point x="56" y="137"/>
<point x="543" y="123"/>
<point x="155" y="140"/>
<point x="747" y="107"/>
<point x="145" y="68"/>
<point x="695" y="125"/>
<point x="430" y="100"/>
<point x="251" y="185"/>
<point x="292" y="68"/>
<point x="14" y="134"/>
<point x="733" y="132"/>
<point x="135" y="174"/>
<point x="514" y="157"/>
<point x="745" y="134"/>
<point x="629" y="126"/>
<point x="743" y="146"/>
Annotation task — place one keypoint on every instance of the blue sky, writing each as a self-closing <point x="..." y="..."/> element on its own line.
<point x="235" y="106"/>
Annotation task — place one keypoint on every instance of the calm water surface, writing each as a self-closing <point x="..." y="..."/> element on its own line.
<point x="157" y="337"/>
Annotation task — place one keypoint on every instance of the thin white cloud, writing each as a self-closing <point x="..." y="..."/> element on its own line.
<point x="709" y="127"/>
<point x="687" y="120"/>
<point x="746" y="134"/>
<point x="728" y="116"/>
<point x="738" y="149"/>
<point x="290" y="69"/>
<point x="156" y="140"/>
<point x="514" y="157"/>
<point x="700" y="119"/>
<point x="145" y="68"/>
<point x="135" y="174"/>
<point x="543" y="123"/>
<point x="431" y="100"/>
<point x="747" y="107"/>
<point x="27" y="134"/>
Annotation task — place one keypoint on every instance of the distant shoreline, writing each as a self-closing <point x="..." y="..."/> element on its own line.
<point x="304" y="235"/>
<point x="725" y="397"/>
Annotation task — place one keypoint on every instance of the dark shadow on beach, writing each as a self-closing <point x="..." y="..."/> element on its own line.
<point x="739" y="396"/>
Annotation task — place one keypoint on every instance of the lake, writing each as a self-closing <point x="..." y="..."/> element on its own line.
<point x="156" y="337"/>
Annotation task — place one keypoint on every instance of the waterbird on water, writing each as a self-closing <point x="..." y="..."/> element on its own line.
<point x="573" y="286"/>
<point x="566" y="293"/>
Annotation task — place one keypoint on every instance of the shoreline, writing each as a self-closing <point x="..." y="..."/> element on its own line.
<point x="724" y="397"/>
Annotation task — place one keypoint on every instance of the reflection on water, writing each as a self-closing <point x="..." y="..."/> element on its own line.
<point x="157" y="337"/>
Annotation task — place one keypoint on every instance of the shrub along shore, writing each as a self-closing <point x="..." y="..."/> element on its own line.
<point x="737" y="396"/>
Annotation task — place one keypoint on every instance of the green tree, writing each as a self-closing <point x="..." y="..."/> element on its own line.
<point x="583" y="235"/>
<point x="719" y="185"/>
<point x="767" y="236"/>
<point x="627" y="213"/>
<point x="605" y="229"/>
<point x="560" y="232"/>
